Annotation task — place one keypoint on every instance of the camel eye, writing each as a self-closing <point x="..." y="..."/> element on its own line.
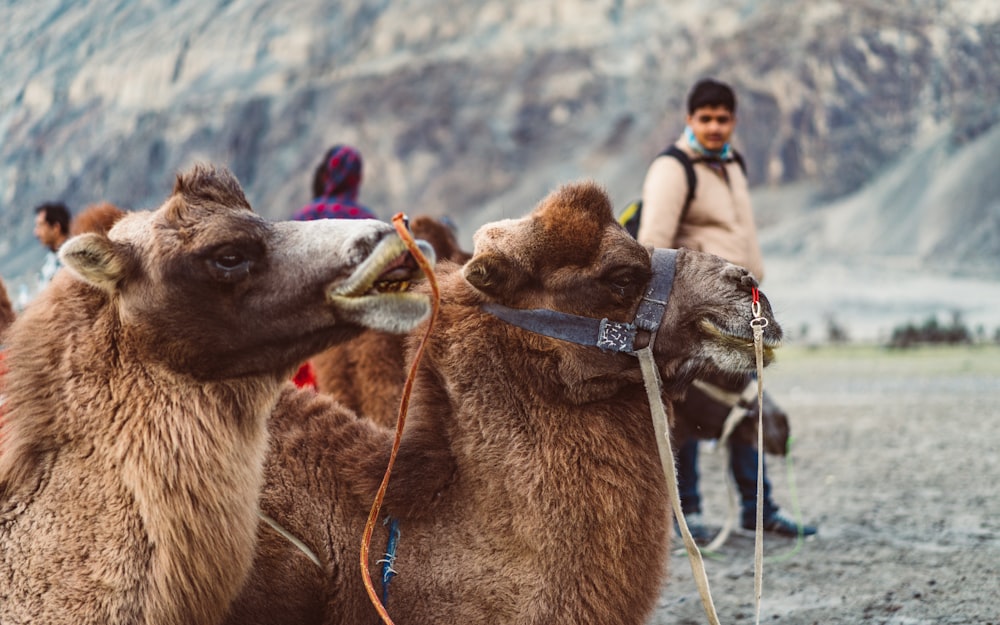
<point x="625" y="281"/>
<point x="229" y="262"/>
<point x="229" y="265"/>
<point x="621" y="279"/>
<point x="622" y="282"/>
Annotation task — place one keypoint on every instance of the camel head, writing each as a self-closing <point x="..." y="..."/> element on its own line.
<point x="570" y="255"/>
<point x="441" y="234"/>
<point x="205" y="286"/>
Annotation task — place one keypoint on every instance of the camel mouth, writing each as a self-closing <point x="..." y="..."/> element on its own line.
<point x="378" y="294"/>
<point x="397" y="277"/>
<point x="390" y="269"/>
<point x="739" y="338"/>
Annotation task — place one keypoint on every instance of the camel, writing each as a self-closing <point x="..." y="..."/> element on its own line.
<point x="6" y="318"/>
<point x="367" y="373"/>
<point x="703" y="411"/>
<point x="441" y="235"/>
<point x="139" y="384"/>
<point x="99" y="217"/>
<point x="6" y="310"/>
<point x="528" y="486"/>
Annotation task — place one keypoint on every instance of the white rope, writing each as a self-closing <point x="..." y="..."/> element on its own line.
<point x="758" y="324"/>
<point x="732" y="511"/>
<point x="735" y="416"/>
<point x="290" y="538"/>
<point x="651" y="377"/>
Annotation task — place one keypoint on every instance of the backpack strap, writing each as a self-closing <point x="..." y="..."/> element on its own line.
<point x="739" y="161"/>
<point x="692" y="181"/>
<point x="688" y="164"/>
<point x="633" y="212"/>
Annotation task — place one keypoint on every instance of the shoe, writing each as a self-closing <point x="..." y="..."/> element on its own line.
<point x="696" y="525"/>
<point x="778" y="524"/>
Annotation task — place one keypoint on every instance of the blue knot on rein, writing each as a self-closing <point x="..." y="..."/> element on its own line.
<point x="390" y="557"/>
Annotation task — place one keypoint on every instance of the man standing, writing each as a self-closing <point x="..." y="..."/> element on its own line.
<point x="696" y="195"/>
<point x="52" y="229"/>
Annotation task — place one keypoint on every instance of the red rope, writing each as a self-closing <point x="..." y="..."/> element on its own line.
<point x="399" y="222"/>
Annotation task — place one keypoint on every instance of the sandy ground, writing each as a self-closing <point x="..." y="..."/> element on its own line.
<point x="896" y="459"/>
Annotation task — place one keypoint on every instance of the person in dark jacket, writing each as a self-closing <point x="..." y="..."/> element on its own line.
<point x="335" y="188"/>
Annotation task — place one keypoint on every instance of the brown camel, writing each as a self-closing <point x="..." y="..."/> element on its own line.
<point x="6" y="310"/>
<point x="703" y="411"/>
<point x="6" y="318"/>
<point x="139" y="385"/>
<point x="441" y="236"/>
<point x="528" y="487"/>
<point x="367" y="374"/>
<point x="98" y="218"/>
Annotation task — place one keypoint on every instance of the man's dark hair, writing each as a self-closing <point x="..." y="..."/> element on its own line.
<point x="708" y="92"/>
<point x="55" y="213"/>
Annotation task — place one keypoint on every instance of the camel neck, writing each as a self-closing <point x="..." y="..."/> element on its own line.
<point x="176" y="462"/>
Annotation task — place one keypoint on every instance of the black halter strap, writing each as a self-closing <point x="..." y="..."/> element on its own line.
<point x="607" y="335"/>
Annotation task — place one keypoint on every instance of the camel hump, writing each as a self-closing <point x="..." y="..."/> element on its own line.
<point x="207" y="183"/>
<point x="585" y="200"/>
<point x="580" y="211"/>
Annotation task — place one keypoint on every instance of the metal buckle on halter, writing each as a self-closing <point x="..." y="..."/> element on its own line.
<point x="616" y="336"/>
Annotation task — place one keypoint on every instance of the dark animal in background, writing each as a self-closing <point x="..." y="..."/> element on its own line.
<point x="703" y="411"/>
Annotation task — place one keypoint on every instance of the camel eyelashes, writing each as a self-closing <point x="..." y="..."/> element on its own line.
<point x="625" y="280"/>
<point x="229" y="264"/>
<point x="230" y="261"/>
<point x="621" y="280"/>
<point x="231" y="273"/>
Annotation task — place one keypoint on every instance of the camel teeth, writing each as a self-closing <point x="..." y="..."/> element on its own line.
<point x="390" y="286"/>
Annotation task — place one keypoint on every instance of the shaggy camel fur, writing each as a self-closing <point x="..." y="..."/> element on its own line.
<point x="6" y="318"/>
<point x="6" y="310"/>
<point x="140" y="381"/>
<point x="367" y="374"/>
<point x="528" y="487"/>
<point x="97" y="218"/>
<point x="442" y="238"/>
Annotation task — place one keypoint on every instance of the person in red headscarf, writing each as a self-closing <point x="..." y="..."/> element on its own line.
<point x="335" y="188"/>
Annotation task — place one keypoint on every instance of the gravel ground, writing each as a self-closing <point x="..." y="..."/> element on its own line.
<point x="892" y="460"/>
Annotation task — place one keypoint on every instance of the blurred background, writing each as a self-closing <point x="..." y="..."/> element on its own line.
<point x="870" y="128"/>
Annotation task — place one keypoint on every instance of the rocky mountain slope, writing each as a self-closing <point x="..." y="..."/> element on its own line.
<point x="476" y="109"/>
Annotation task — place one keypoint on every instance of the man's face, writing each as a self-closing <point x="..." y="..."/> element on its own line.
<point x="48" y="234"/>
<point x="712" y="126"/>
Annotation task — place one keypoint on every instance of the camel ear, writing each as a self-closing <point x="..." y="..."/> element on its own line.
<point x="95" y="259"/>
<point x="493" y="275"/>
